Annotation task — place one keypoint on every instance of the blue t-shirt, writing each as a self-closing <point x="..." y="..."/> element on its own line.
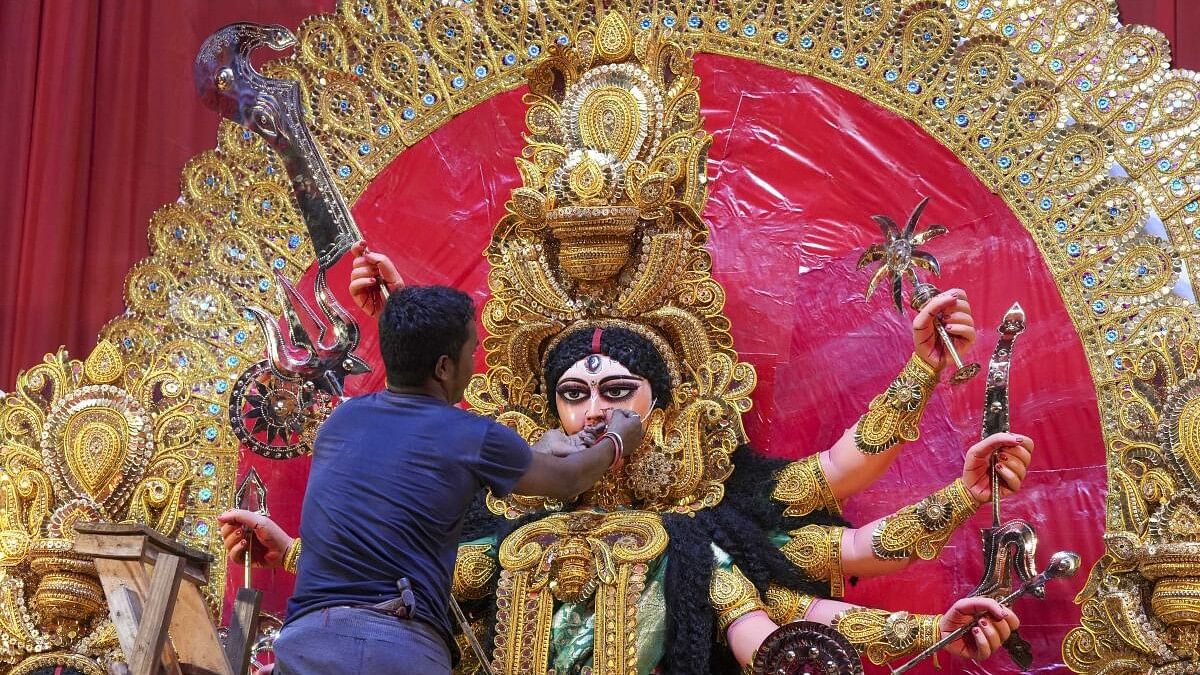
<point x="392" y="477"/>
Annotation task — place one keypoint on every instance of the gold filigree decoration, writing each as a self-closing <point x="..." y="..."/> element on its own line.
<point x="884" y="636"/>
<point x="785" y="605"/>
<point x="732" y="596"/>
<point x="572" y="557"/>
<point x="474" y="570"/>
<point x="922" y="529"/>
<point x="804" y="488"/>
<point x="893" y="416"/>
<point x="605" y="231"/>
<point x="817" y="551"/>
<point x="1038" y="98"/>
<point x="104" y="438"/>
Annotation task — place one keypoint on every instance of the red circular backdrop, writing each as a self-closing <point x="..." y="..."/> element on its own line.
<point x="797" y="168"/>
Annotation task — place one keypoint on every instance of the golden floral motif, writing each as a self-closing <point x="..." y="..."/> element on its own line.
<point x="922" y="529"/>
<point x="802" y="485"/>
<point x="785" y="605"/>
<point x="474" y="570"/>
<point x="893" y="416"/>
<point x="884" y="636"/>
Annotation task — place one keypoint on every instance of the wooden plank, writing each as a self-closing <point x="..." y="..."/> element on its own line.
<point x="117" y="577"/>
<point x="194" y="634"/>
<point x="160" y="603"/>
<point x="119" y="531"/>
<point x="243" y="629"/>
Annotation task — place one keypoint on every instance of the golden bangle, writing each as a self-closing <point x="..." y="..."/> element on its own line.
<point x="817" y="551"/>
<point x="893" y="416"/>
<point x="922" y="529"/>
<point x="732" y="596"/>
<point x="292" y="557"/>
<point x="785" y="605"/>
<point x="474" y="570"/>
<point x="884" y="636"/>
<point x="803" y="487"/>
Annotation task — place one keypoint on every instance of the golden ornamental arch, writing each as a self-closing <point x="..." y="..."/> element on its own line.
<point x="1077" y="121"/>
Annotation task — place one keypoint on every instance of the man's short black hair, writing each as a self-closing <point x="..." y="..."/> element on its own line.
<point x="418" y="326"/>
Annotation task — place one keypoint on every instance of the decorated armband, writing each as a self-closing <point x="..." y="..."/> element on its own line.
<point x="893" y="416"/>
<point x="785" y="605"/>
<point x="292" y="557"/>
<point x="803" y="487"/>
<point x="884" y="636"/>
<point x="474" y="570"/>
<point x="922" y="529"/>
<point x="732" y="596"/>
<point x="817" y="551"/>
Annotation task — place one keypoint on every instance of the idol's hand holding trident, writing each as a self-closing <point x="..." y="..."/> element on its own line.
<point x="943" y="323"/>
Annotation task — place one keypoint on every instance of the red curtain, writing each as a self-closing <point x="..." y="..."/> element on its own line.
<point x="101" y="116"/>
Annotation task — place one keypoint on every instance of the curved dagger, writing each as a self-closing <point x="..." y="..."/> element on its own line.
<point x="271" y="108"/>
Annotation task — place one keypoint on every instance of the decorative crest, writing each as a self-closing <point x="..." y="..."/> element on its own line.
<point x="605" y="231"/>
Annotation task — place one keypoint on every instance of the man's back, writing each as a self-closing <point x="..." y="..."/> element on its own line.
<point x="392" y="477"/>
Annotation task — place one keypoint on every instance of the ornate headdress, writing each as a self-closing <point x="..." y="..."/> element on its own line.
<point x="606" y="231"/>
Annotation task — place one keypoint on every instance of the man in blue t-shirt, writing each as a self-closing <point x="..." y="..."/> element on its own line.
<point x="392" y="476"/>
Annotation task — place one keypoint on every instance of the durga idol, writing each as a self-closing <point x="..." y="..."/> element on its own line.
<point x="686" y="556"/>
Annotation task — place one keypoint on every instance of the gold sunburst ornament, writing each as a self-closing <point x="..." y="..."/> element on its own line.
<point x="899" y="256"/>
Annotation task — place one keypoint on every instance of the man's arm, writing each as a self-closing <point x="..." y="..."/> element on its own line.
<point x="565" y="477"/>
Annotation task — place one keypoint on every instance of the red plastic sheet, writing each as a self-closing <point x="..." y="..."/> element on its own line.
<point x="797" y="168"/>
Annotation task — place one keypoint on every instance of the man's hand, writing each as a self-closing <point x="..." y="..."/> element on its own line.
<point x="995" y="625"/>
<point x="271" y="542"/>
<point x="952" y="309"/>
<point x="555" y="442"/>
<point x="1012" y="463"/>
<point x="628" y="425"/>
<point x="370" y="270"/>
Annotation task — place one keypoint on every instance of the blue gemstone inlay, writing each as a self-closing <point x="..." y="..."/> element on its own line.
<point x="246" y="135"/>
<point x="1192" y="207"/>
<point x="1164" y="164"/>
<point x="233" y="361"/>
<point x="205" y="494"/>
<point x="221" y="386"/>
<point x="1089" y="280"/>
<point x="344" y="171"/>
<point x="429" y="98"/>
<point x="669" y="21"/>
<point x="562" y="40"/>
<point x="1046" y="203"/>
<point x="1009" y="30"/>
<point x="153" y="286"/>
<point x="213" y="409"/>
<point x="1099" y="306"/>
<point x="1111" y="335"/>
<point x="1056" y="65"/>
<point x="1025" y="177"/>
<point x="645" y="24"/>
<point x="861" y="60"/>
<point x="1177" y="184"/>
<point x="695" y="21"/>
<point x="749" y="30"/>
<point x="417" y="23"/>
<point x="1129" y="125"/>
<point x="202" y="529"/>
<point x="509" y="59"/>
<point x="987" y="14"/>
<point x="1035" y="47"/>
<point x="722" y="25"/>
<point x="1060" y="225"/>
<point x="1004" y="162"/>
<point x="408" y="114"/>
<point x="294" y="241"/>
<point x="1085" y="85"/>
<point x="279" y="264"/>
<point x="534" y="50"/>
<point x="913" y="87"/>
<point x="364" y="148"/>
<point x="806" y="42"/>
<point x="961" y="119"/>
<point x="1103" y="103"/>
<point x="458" y="82"/>
<point x="239" y="337"/>
<point x="360" y="69"/>
<point x="1145" y="143"/>
<point x="939" y="103"/>
<point x="210" y="433"/>
<point x="781" y="36"/>
<point x="1073" y="250"/>
<point x="891" y="75"/>
<point x="962" y="4"/>
<point x="209" y="469"/>
<point x="837" y="52"/>
<point x="1141" y="270"/>
<point x="481" y="71"/>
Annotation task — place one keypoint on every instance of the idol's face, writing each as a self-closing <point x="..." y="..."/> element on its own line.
<point x="594" y="385"/>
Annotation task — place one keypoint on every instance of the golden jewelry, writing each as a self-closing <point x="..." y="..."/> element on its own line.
<point x="817" y="551"/>
<point x="785" y="605"/>
<point x="292" y="557"/>
<point x="804" y="488"/>
<point x="893" y="416"/>
<point x="474" y="570"/>
<point x="732" y="596"/>
<point x="884" y="636"/>
<point x="922" y="529"/>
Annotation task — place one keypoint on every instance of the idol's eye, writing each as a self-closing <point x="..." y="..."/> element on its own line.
<point x="619" y="392"/>
<point x="572" y="394"/>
